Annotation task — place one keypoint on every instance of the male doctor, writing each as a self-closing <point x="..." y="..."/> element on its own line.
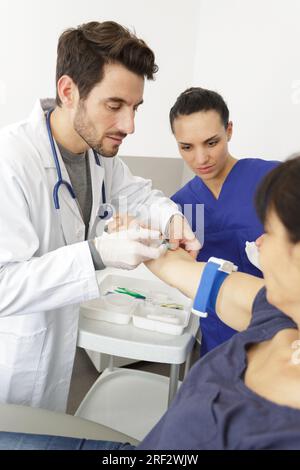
<point x="48" y="248"/>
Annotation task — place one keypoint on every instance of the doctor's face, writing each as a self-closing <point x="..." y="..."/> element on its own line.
<point x="107" y="115"/>
<point x="203" y="142"/>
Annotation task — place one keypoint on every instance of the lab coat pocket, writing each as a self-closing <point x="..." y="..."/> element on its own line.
<point x="19" y="362"/>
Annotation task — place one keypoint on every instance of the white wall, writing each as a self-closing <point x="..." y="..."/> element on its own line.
<point x="249" y="51"/>
<point x="28" y="39"/>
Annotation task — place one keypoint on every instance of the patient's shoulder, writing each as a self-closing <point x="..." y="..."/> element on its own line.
<point x="263" y="312"/>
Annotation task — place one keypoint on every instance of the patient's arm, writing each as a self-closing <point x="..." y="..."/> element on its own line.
<point x="236" y="295"/>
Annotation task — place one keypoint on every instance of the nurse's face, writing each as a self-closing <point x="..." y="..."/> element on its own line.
<point x="203" y="142"/>
<point x="107" y="115"/>
<point x="279" y="259"/>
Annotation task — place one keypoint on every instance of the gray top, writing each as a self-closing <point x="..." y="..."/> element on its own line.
<point x="78" y="168"/>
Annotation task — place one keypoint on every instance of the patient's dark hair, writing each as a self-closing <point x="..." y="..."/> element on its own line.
<point x="280" y="191"/>
<point x="198" y="99"/>
<point x="82" y="53"/>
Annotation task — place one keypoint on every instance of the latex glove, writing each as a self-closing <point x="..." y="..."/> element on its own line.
<point x="180" y="234"/>
<point x="127" y="249"/>
<point x="126" y="222"/>
<point x="121" y="222"/>
<point x="252" y="253"/>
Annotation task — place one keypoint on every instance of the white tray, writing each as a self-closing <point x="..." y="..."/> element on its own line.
<point x="157" y="318"/>
<point x="161" y="319"/>
<point x="98" y="310"/>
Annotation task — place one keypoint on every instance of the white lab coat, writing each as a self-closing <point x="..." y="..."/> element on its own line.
<point x="46" y="269"/>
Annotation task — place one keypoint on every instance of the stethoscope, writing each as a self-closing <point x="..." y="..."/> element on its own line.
<point x="60" y="182"/>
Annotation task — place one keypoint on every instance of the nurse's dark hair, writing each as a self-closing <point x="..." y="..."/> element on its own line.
<point x="198" y="99"/>
<point x="280" y="191"/>
<point x="82" y="53"/>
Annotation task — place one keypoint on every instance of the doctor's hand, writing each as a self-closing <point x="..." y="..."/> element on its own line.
<point x="127" y="249"/>
<point x="121" y="222"/>
<point x="181" y="235"/>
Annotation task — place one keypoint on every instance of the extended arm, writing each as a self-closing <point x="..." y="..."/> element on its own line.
<point x="236" y="295"/>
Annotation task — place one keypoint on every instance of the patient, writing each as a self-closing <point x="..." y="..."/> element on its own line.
<point x="245" y="393"/>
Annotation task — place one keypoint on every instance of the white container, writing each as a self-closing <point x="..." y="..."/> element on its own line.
<point x="120" y="303"/>
<point x="163" y="320"/>
<point x="114" y="308"/>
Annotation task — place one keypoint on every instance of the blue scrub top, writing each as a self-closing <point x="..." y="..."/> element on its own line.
<point x="229" y="222"/>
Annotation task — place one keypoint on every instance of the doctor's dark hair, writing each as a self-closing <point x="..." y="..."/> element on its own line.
<point x="82" y="53"/>
<point x="198" y="99"/>
<point x="280" y="191"/>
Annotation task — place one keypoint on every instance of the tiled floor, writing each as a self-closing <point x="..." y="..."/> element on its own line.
<point x="85" y="374"/>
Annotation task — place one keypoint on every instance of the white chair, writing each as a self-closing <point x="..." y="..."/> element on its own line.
<point x="18" y="418"/>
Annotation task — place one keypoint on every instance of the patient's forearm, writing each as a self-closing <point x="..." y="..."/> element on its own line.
<point x="189" y="278"/>
<point x="178" y="269"/>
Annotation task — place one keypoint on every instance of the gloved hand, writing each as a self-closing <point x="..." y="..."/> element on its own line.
<point x="121" y="222"/>
<point x="180" y="234"/>
<point x="253" y="254"/>
<point x="127" y="249"/>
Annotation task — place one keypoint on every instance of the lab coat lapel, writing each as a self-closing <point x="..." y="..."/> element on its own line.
<point x="97" y="177"/>
<point x="71" y="219"/>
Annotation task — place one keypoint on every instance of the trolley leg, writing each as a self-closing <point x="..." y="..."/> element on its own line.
<point x="111" y="363"/>
<point x="187" y="364"/>
<point x="174" y="376"/>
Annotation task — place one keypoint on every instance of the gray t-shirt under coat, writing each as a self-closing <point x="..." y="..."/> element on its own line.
<point x="78" y="168"/>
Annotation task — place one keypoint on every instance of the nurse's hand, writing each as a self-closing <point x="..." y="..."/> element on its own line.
<point x="126" y="249"/>
<point x="181" y="235"/>
<point x="252" y="252"/>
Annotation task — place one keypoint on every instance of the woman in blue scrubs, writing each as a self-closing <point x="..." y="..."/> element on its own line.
<point x="224" y="186"/>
